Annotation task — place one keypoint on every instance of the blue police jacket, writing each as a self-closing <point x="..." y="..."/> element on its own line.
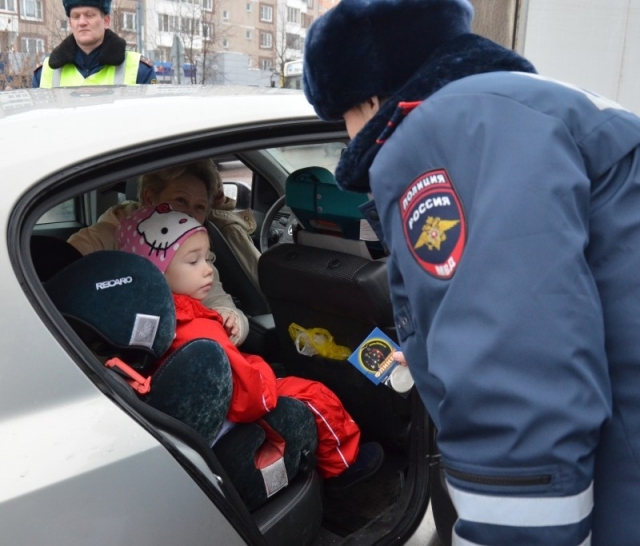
<point x="510" y="207"/>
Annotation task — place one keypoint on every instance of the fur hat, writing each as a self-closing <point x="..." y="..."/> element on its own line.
<point x="363" y="48"/>
<point x="103" y="5"/>
<point x="156" y="233"/>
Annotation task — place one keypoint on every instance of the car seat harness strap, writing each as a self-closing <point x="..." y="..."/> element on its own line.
<point x="141" y="384"/>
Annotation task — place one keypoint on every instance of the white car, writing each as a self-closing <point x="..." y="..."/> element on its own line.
<point x="84" y="461"/>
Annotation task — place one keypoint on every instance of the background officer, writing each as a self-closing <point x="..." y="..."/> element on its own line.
<point x="93" y="54"/>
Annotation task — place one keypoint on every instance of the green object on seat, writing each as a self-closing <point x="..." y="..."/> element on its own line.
<point x="321" y="206"/>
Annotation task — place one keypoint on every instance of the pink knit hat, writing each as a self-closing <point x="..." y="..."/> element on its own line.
<point x="156" y="233"/>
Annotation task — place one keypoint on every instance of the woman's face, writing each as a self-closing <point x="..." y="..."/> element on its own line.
<point x="186" y="194"/>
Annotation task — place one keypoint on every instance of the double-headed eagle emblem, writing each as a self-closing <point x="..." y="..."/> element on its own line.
<point x="434" y="232"/>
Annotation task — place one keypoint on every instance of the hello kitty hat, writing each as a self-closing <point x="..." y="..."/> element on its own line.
<point x="156" y="233"/>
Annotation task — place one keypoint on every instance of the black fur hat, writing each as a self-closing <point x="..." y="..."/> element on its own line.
<point x="363" y="48"/>
<point x="103" y="5"/>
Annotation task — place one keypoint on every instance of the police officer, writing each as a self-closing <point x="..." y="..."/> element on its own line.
<point x="93" y="54"/>
<point x="509" y="206"/>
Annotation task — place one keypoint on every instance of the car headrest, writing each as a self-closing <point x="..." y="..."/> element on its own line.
<point x="321" y="206"/>
<point x="121" y="297"/>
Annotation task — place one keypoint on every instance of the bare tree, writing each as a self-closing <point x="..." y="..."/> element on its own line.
<point x="282" y="55"/>
<point x="287" y="43"/>
<point x="213" y="33"/>
<point x="198" y="25"/>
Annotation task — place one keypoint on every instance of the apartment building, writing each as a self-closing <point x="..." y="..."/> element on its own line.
<point x="215" y="41"/>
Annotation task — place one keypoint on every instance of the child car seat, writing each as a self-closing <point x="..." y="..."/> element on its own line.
<point x="122" y="308"/>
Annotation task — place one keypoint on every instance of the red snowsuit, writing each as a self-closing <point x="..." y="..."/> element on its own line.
<point x="256" y="388"/>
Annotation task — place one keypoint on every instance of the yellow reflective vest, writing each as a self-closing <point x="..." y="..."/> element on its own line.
<point x="69" y="76"/>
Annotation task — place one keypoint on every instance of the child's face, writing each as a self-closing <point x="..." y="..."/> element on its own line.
<point x="190" y="272"/>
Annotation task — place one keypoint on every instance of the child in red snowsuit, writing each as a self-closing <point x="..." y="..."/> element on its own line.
<point x="179" y="246"/>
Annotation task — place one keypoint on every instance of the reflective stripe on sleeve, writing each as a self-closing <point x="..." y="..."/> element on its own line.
<point x="57" y="74"/>
<point x="119" y="77"/>
<point x="522" y="511"/>
<point x="459" y="541"/>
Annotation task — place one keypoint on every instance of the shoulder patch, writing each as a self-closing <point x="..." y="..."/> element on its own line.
<point x="146" y="61"/>
<point x="434" y="224"/>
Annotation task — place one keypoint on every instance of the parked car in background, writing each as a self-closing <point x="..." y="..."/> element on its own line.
<point x="84" y="458"/>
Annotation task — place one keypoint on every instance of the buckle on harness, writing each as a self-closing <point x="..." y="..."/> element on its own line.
<point x="142" y="385"/>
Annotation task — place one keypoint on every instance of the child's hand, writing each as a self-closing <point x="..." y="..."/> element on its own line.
<point x="398" y="356"/>
<point x="230" y="323"/>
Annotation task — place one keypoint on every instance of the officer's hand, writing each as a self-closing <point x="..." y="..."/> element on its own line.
<point x="398" y="356"/>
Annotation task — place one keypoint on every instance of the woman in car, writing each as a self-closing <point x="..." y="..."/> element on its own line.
<point x="187" y="188"/>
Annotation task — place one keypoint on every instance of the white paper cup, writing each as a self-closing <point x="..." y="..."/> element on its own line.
<point x="400" y="379"/>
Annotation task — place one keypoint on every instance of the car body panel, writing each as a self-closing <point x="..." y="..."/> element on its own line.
<point x="102" y="479"/>
<point x="93" y="122"/>
<point x="75" y="468"/>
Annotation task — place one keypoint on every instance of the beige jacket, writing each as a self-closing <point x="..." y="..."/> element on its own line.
<point x="237" y="227"/>
<point x="102" y="236"/>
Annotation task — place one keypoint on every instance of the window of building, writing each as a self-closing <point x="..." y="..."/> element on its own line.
<point x="265" y="63"/>
<point x="266" y="40"/>
<point x="207" y="5"/>
<point x="32" y="9"/>
<point x="310" y="4"/>
<point x="249" y="6"/>
<point x="163" y="54"/>
<point x="225" y="14"/>
<point x="293" y="41"/>
<point x="64" y="25"/>
<point x="225" y="43"/>
<point x="189" y="26"/>
<point x="129" y="21"/>
<point x="306" y="20"/>
<point x="248" y="34"/>
<point x="266" y="13"/>
<point x="8" y="5"/>
<point x="174" y="23"/>
<point x="32" y="46"/>
<point x="207" y="31"/>
<point x="293" y="15"/>
<point x="163" y="22"/>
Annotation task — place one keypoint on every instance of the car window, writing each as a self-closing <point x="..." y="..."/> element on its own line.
<point x="64" y="212"/>
<point x="325" y="155"/>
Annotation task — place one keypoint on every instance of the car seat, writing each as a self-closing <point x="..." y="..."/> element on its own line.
<point x="233" y="276"/>
<point x="121" y="307"/>
<point x="50" y="255"/>
<point x="324" y="284"/>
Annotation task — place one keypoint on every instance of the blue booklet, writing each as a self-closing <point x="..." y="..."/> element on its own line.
<point x="374" y="356"/>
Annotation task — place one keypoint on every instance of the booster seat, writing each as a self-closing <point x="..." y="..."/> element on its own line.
<point x="121" y="307"/>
